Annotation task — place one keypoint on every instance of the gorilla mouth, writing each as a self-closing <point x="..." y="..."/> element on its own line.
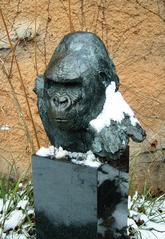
<point x="61" y="120"/>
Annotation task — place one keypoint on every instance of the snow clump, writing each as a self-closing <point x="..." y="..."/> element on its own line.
<point x="115" y="108"/>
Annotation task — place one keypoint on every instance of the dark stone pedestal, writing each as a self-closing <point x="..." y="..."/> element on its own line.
<point x="79" y="202"/>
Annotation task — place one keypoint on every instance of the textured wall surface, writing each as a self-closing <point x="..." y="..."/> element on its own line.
<point x="133" y="31"/>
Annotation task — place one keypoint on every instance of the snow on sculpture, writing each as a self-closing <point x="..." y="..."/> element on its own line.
<point x="79" y="102"/>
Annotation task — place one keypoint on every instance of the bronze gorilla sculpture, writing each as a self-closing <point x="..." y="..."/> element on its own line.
<point x="72" y="92"/>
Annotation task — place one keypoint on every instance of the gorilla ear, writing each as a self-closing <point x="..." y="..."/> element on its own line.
<point x="104" y="80"/>
<point x="107" y="72"/>
<point x="107" y="79"/>
<point x="117" y="81"/>
<point x="39" y="85"/>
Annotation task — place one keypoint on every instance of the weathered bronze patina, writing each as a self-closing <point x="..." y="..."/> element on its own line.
<point x="71" y="93"/>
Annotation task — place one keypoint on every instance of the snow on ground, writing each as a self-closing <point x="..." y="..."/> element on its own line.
<point x="17" y="214"/>
<point x="114" y="109"/>
<point x="14" y="220"/>
<point x="146" y="217"/>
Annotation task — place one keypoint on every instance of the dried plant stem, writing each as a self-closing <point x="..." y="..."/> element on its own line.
<point x="19" y="109"/>
<point x="20" y="77"/>
<point x="96" y="17"/>
<point x="70" y="17"/>
<point x="46" y="32"/>
<point x="35" y="42"/>
<point x="83" y="20"/>
<point x="150" y="11"/>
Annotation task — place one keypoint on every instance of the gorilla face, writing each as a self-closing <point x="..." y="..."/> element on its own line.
<point x="63" y="101"/>
<point x="72" y="103"/>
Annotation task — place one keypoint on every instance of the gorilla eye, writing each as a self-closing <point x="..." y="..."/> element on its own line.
<point x="49" y="83"/>
<point x="72" y="84"/>
<point x="103" y="75"/>
<point x="66" y="83"/>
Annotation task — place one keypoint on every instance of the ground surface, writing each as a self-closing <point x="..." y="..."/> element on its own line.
<point x="17" y="220"/>
<point x="133" y="31"/>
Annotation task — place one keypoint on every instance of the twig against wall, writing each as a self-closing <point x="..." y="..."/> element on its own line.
<point x="20" y="77"/>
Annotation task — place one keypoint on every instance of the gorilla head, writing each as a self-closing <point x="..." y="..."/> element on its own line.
<point x="72" y="90"/>
<point x="75" y="80"/>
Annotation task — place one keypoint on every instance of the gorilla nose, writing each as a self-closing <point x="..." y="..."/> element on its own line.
<point x="61" y="102"/>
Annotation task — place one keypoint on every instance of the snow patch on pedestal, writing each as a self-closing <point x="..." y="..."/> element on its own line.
<point x="89" y="160"/>
<point x="110" y="173"/>
<point x="46" y="152"/>
<point x="115" y="108"/>
<point x="86" y="159"/>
